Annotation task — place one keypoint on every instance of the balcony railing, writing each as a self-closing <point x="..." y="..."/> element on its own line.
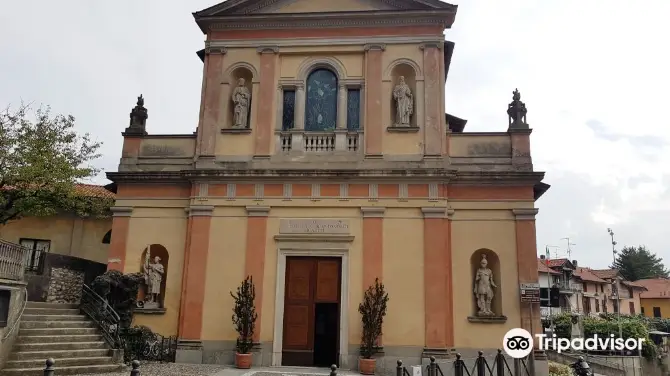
<point x="12" y="260"/>
<point x="319" y="142"/>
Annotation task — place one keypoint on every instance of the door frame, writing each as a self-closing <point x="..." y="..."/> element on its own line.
<point x="283" y="252"/>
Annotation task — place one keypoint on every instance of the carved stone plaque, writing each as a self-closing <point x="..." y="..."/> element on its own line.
<point x="313" y="226"/>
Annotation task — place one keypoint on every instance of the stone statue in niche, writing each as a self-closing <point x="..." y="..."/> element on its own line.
<point x="153" y="277"/>
<point x="484" y="286"/>
<point x="404" y="101"/>
<point x="241" y="99"/>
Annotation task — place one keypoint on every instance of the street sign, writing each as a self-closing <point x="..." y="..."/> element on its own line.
<point x="530" y="292"/>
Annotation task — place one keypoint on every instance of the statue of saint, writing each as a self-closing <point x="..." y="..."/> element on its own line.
<point x="404" y="100"/>
<point x="241" y="99"/>
<point x="484" y="286"/>
<point x="153" y="274"/>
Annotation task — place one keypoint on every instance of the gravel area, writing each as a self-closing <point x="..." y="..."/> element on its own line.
<point x="167" y="369"/>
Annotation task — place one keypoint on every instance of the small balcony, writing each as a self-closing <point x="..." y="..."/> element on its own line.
<point x="297" y="141"/>
<point x="569" y="288"/>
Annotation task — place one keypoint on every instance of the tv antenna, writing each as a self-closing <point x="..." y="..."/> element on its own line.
<point x="555" y="248"/>
<point x="569" y="246"/>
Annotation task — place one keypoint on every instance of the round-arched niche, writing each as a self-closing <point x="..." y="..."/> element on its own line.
<point x="237" y="74"/>
<point x="151" y="256"/>
<point x="408" y="72"/>
<point x="493" y="265"/>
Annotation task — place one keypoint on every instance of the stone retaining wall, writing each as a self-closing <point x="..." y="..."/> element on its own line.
<point x="65" y="286"/>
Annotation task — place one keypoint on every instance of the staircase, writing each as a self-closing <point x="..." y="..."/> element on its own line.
<point x="61" y="332"/>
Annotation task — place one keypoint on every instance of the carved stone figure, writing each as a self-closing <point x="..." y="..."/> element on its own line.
<point x="484" y="286"/>
<point x="404" y="101"/>
<point x="138" y="118"/>
<point x="241" y="99"/>
<point x="153" y="276"/>
<point x="516" y="111"/>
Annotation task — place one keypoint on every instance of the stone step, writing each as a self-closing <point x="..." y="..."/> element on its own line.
<point x="60" y="370"/>
<point x="50" y="346"/>
<point x="30" y="317"/>
<point x="58" y="354"/>
<point x="51" y="305"/>
<point x="51" y="311"/>
<point x="56" y="324"/>
<point x="63" y="362"/>
<point x="57" y="331"/>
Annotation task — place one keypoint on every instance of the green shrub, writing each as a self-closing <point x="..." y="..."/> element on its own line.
<point x="556" y="369"/>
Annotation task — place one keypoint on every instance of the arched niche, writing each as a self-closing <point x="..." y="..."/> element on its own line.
<point x="493" y="263"/>
<point x="236" y="72"/>
<point x="107" y="238"/>
<point x="148" y="255"/>
<point x="321" y="97"/>
<point x="409" y="70"/>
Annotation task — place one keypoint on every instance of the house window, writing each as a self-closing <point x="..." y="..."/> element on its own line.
<point x="642" y="311"/>
<point x="353" y="109"/>
<point x="602" y="288"/>
<point x="38" y="248"/>
<point x="585" y="287"/>
<point x="321" y="104"/>
<point x="597" y="306"/>
<point x="615" y="303"/>
<point x="586" y="303"/>
<point x="631" y="308"/>
<point x="657" y="312"/>
<point x="107" y="238"/>
<point x="288" y="113"/>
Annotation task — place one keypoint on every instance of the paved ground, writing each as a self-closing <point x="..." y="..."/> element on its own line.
<point x="175" y="369"/>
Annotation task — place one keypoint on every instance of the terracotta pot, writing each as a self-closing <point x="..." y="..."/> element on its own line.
<point x="243" y="361"/>
<point x="367" y="366"/>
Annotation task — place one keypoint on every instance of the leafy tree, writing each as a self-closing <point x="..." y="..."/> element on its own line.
<point x="636" y="263"/>
<point x="41" y="159"/>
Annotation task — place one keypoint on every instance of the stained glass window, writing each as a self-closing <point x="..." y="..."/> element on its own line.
<point x="353" y="109"/>
<point x="321" y="103"/>
<point x="288" y="118"/>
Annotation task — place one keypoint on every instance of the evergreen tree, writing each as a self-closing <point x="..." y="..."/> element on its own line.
<point x="636" y="263"/>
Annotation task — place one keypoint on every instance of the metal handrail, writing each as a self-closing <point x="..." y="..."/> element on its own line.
<point x="18" y="319"/>
<point x="97" y="308"/>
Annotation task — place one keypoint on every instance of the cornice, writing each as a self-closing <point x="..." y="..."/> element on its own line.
<point x="338" y="19"/>
<point x="432" y="44"/>
<point x="504" y="178"/>
<point x="316" y="42"/>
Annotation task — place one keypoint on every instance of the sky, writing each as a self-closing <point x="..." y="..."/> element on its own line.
<point x="595" y="77"/>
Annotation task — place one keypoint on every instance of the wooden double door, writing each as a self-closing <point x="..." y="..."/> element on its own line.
<point x="312" y="311"/>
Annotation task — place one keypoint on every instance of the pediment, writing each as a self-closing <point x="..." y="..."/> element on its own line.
<point x="240" y="7"/>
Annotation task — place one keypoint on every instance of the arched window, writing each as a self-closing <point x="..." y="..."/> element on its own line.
<point x="107" y="238"/>
<point x="321" y="103"/>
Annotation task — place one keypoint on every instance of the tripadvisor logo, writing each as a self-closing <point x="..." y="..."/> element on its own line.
<point x="518" y="343"/>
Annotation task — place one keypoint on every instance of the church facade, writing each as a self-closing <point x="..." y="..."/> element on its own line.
<point x="323" y="160"/>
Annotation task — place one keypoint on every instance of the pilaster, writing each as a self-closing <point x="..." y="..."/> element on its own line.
<point x="373" y="100"/>
<point x="264" y="124"/>
<point x="438" y="288"/>
<point x="194" y="273"/>
<point x="117" y="247"/>
<point x="434" y="120"/>
<point x="212" y="115"/>
<point x="254" y="264"/>
<point x="526" y="252"/>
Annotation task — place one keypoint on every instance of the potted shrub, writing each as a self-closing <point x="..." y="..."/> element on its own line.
<point x="372" y="310"/>
<point x="244" y="319"/>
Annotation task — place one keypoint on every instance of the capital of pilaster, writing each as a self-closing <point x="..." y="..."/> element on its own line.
<point x="200" y="210"/>
<point x="373" y="211"/>
<point x="525" y="214"/>
<point x="268" y="49"/>
<point x="258" y="211"/>
<point x="374" y="47"/>
<point x="434" y="212"/>
<point x="431" y="44"/>
<point x="216" y="50"/>
<point x="121" y="211"/>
